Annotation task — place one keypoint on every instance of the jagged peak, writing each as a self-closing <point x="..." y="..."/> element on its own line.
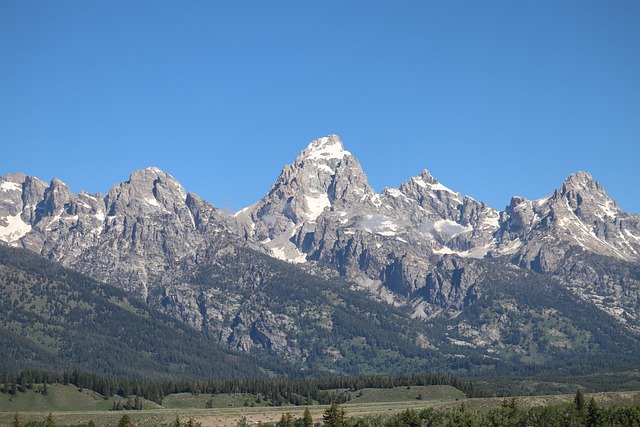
<point x="582" y="183"/>
<point x="57" y="190"/>
<point x="149" y="181"/>
<point x="581" y="179"/>
<point x="14" y="177"/>
<point x="580" y="190"/>
<point x="320" y="166"/>
<point x="18" y="181"/>
<point x="328" y="147"/>
<point x="57" y="183"/>
<point x="577" y="183"/>
<point x="427" y="181"/>
<point x="425" y="177"/>
<point x="12" y="182"/>
<point x="518" y="200"/>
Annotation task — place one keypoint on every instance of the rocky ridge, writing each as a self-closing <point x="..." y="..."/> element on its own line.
<point x="129" y="236"/>
<point x="416" y="245"/>
<point x="421" y="247"/>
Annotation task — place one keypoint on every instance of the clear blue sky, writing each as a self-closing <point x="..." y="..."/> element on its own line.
<point x="495" y="98"/>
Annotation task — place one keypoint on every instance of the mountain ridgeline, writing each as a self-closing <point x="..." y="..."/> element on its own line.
<point x="326" y="276"/>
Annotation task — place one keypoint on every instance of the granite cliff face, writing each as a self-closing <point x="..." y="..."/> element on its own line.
<point x="321" y="211"/>
<point x="421" y="247"/>
<point x="322" y="176"/>
<point x="578" y="215"/>
<point x="129" y="236"/>
<point x="416" y="245"/>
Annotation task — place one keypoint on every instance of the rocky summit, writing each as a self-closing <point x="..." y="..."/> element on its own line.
<point x="433" y="254"/>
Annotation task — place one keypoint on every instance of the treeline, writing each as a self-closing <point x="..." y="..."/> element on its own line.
<point x="575" y="414"/>
<point x="125" y="421"/>
<point x="300" y="391"/>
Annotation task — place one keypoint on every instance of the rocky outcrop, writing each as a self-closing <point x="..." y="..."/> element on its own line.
<point x="578" y="216"/>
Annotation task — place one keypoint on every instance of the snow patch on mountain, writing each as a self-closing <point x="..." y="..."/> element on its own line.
<point x="379" y="225"/>
<point x="452" y="228"/>
<point x="10" y="186"/>
<point x="14" y="229"/>
<point x="491" y="221"/>
<point x="289" y="253"/>
<point x="444" y="226"/>
<point x="152" y="201"/>
<point x="609" y="209"/>
<point x="316" y="203"/>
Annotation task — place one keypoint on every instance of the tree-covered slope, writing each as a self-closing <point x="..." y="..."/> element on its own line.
<point x="247" y="300"/>
<point x="534" y="324"/>
<point x="288" y="321"/>
<point x="54" y="318"/>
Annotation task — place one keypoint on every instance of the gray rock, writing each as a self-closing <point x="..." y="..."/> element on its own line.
<point x="420" y="247"/>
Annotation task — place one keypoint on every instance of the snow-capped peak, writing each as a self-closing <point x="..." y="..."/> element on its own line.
<point x="155" y="169"/>
<point x="328" y="147"/>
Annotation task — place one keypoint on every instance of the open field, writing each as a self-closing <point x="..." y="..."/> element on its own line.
<point x="230" y="409"/>
<point x="432" y="393"/>
<point x="58" y="398"/>
<point x="211" y="417"/>
<point x="70" y="406"/>
<point x="624" y="380"/>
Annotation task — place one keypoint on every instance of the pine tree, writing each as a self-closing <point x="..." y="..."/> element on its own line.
<point x="286" y="420"/>
<point x="17" y="420"/>
<point x="307" y="419"/>
<point x="5" y="382"/>
<point x="578" y="401"/>
<point x="334" y="416"/>
<point x="50" y="422"/>
<point x="125" y="421"/>
<point x="593" y="413"/>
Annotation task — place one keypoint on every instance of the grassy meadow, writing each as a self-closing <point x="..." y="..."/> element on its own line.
<point x="70" y="405"/>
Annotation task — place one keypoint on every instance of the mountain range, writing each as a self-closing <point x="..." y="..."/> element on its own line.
<point x="331" y="276"/>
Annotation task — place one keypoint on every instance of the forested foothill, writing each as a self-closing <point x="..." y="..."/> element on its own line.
<point x="301" y="391"/>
